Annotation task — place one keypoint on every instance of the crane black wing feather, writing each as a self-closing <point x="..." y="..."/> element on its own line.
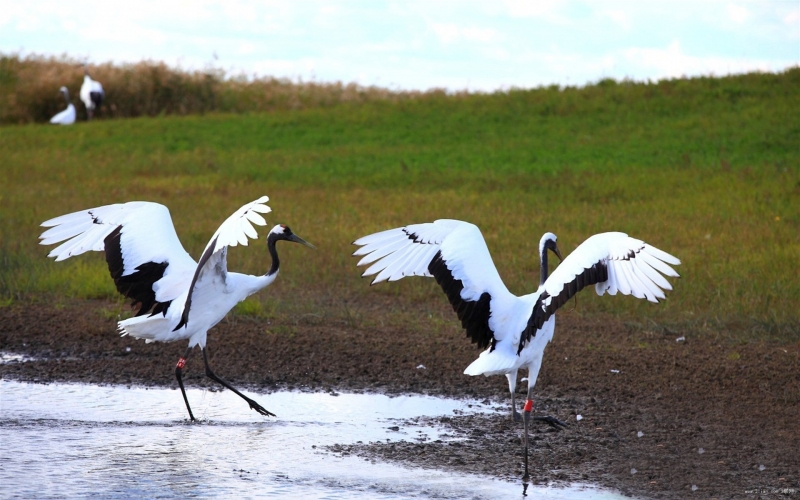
<point x="142" y="250"/>
<point x="547" y="305"/>
<point x="612" y="262"/>
<point x="137" y="286"/>
<point x="455" y="254"/>
<point x="474" y="314"/>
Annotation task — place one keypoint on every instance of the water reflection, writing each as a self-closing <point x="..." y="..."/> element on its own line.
<point x="72" y="440"/>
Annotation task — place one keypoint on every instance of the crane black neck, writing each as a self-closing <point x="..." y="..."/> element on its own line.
<point x="543" y="259"/>
<point x="273" y="252"/>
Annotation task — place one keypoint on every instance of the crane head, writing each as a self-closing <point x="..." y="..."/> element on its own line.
<point x="548" y="242"/>
<point x="284" y="232"/>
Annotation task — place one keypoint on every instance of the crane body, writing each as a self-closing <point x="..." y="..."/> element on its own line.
<point x="67" y="116"/>
<point x="513" y="330"/>
<point x="92" y="93"/>
<point x="177" y="298"/>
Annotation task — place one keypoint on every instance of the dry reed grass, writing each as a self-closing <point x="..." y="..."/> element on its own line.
<point x="29" y="90"/>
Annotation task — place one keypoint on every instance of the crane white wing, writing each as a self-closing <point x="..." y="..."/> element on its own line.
<point x="144" y="256"/>
<point x="455" y="254"/>
<point x="613" y="262"/>
<point x="236" y="230"/>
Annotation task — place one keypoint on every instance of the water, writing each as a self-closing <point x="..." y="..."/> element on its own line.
<point x="74" y="440"/>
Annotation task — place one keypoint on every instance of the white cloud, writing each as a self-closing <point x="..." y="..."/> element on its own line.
<point x="620" y="17"/>
<point x="451" y="33"/>
<point x="792" y="18"/>
<point x="447" y="33"/>
<point x="532" y="8"/>
<point x="246" y="48"/>
<point x="737" y="13"/>
<point x="672" y="62"/>
<point x="480" y="34"/>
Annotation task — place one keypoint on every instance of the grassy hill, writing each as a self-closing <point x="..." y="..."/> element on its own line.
<point x="707" y="169"/>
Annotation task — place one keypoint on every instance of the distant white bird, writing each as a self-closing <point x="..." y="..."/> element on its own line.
<point x="515" y="330"/>
<point x="67" y="116"/>
<point x="178" y="298"/>
<point x="91" y="93"/>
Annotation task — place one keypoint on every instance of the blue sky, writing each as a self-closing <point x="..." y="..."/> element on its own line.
<point x="474" y="45"/>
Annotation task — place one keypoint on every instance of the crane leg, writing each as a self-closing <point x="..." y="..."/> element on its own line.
<point x="514" y="413"/>
<point x="552" y="422"/>
<point x="526" y="417"/>
<point x="512" y="387"/>
<point x="179" y="376"/>
<point x="253" y="405"/>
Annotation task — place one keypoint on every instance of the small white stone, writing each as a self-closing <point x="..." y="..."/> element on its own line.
<point x="701" y="451"/>
<point x="421" y="367"/>
<point x="680" y="339"/>
<point x="127" y="349"/>
<point x="694" y="487"/>
<point x="639" y="434"/>
<point x="761" y="467"/>
<point x="578" y="417"/>
<point x="633" y="471"/>
<point x="614" y="371"/>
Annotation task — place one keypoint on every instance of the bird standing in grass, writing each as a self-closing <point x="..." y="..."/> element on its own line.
<point x="178" y="298"/>
<point x="67" y="116"/>
<point x="513" y="330"/>
<point x="91" y="93"/>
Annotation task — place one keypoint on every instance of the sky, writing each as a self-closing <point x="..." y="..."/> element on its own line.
<point x="477" y="45"/>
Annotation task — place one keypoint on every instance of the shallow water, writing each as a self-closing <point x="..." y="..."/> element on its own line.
<point x="74" y="440"/>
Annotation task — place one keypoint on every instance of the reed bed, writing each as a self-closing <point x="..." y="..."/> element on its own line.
<point x="29" y="90"/>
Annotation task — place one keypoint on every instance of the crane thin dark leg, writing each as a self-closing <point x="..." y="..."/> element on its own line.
<point x="255" y="406"/>
<point x="179" y="376"/>
<point x="526" y="418"/>
<point x="514" y="413"/>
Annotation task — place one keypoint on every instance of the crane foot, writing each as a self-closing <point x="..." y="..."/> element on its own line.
<point x="552" y="422"/>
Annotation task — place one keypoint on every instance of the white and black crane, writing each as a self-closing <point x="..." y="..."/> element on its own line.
<point x="67" y="116"/>
<point x="92" y="93"/>
<point x="513" y="330"/>
<point x="178" y="298"/>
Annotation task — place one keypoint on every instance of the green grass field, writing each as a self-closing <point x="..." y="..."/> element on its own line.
<point x="707" y="169"/>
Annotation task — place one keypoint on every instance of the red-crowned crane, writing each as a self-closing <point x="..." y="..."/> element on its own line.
<point x="91" y="93"/>
<point x="513" y="330"/>
<point x="67" y="116"/>
<point x="179" y="299"/>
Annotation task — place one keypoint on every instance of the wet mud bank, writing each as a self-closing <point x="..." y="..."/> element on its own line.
<point x="659" y="418"/>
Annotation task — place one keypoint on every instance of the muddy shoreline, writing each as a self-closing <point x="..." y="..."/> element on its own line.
<point x="700" y="417"/>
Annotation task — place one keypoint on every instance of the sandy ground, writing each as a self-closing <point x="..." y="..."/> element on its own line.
<point x="699" y="418"/>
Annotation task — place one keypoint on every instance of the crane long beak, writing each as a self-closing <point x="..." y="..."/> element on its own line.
<point x="558" y="254"/>
<point x="300" y="240"/>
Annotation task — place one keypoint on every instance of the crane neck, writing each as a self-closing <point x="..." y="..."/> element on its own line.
<point x="272" y="239"/>
<point x="543" y="259"/>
